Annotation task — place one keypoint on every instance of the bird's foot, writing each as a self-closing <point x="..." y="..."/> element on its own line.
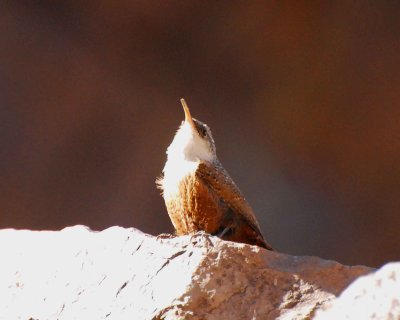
<point x="165" y="236"/>
<point x="223" y="231"/>
<point x="201" y="235"/>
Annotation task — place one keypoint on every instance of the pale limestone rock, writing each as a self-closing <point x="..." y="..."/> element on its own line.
<point x="374" y="296"/>
<point x="124" y="274"/>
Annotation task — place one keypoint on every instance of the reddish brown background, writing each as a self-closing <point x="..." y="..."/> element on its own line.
<point x="303" y="99"/>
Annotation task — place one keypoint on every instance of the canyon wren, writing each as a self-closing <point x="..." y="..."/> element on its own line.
<point x="199" y="193"/>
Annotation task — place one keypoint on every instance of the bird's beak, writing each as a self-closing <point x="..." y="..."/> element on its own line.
<point x="188" y="116"/>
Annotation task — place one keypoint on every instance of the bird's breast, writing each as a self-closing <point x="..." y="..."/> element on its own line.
<point x="190" y="203"/>
<point x="175" y="173"/>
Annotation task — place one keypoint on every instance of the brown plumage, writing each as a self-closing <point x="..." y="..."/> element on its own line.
<point x="199" y="194"/>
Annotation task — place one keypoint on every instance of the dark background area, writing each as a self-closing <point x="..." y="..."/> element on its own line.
<point x="302" y="97"/>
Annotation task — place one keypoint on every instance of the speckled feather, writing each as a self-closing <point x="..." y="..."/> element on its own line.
<point x="237" y="212"/>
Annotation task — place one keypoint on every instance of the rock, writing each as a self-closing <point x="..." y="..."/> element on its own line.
<point x="375" y="296"/>
<point x="122" y="273"/>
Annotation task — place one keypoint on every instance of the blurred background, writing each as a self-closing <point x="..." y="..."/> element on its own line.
<point x="302" y="98"/>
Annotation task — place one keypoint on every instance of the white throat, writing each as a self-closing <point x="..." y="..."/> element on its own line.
<point x="183" y="157"/>
<point x="188" y="146"/>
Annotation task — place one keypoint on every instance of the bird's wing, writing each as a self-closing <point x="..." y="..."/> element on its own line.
<point x="218" y="181"/>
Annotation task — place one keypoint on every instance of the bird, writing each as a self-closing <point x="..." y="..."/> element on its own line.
<point x="198" y="192"/>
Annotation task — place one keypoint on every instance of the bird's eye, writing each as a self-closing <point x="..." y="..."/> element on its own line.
<point x="202" y="131"/>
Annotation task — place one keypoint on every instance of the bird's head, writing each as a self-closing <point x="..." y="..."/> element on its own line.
<point x="193" y="141"/>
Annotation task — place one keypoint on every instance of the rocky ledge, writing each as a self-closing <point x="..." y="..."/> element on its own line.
<point x="123" y="273"/>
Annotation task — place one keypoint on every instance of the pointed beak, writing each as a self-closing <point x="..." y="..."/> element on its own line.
<point x="188" y="116"/>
